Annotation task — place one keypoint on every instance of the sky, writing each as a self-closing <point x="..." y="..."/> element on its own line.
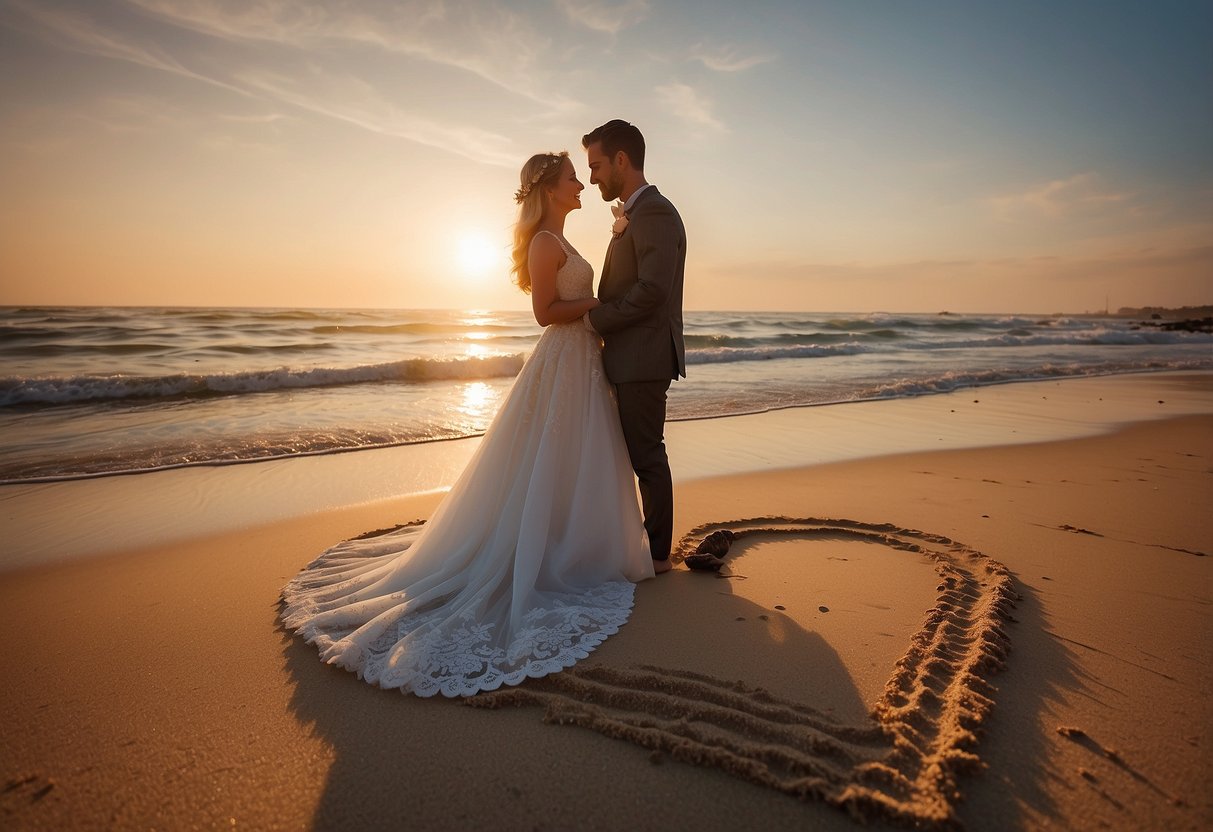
<point x="856" y="155"/>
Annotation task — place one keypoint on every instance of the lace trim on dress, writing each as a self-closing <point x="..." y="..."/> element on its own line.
<point x="429" y="652"/>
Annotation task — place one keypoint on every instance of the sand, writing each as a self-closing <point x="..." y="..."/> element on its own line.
<point x="994" y="636"/>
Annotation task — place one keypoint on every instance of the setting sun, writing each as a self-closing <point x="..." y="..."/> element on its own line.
<point x="477" y="257"/>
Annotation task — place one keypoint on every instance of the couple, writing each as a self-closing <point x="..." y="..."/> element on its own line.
<point x="529" y="562"/>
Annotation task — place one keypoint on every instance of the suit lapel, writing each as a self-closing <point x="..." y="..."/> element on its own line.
<point x="606" y="264"/>
<point x="606" y="267"/>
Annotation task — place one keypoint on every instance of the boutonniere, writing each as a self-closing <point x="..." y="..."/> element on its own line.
<point x="621" y="219"/>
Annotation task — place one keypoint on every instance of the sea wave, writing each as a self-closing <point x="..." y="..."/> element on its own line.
<point x="70" y="389"/>
<point x="785" y="396"/>
<point x="454" y="329"/>
<point x="75" y="389"/>
<point x="1090" y="337"/>
<point x="950" y="382"/>
<point x="722" y="355"/>
<point x="207" y="449"/>
<point x="214" y="451"/>
<point x="716" y="350"/>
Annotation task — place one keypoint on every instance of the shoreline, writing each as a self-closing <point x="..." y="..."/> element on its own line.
<point x="1097" y="711"/>
<point x="671" y="420"/>
<point x="112" y="514"/>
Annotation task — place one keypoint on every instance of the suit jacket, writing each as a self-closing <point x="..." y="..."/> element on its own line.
<point x="640" y="319"/>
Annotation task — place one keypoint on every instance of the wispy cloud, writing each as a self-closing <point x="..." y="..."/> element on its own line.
<point x="726" y="58"/>
<point x="608" y="17"/>
<point x="494" y="45"/>
<point x="353" y="101"/>
<point x="265" y="118"/>
<point x="78" y="33"/>
<point x="136" y="116"/>
<point x="1080" y="194"/>
<point x="488" y="40"/>
<point x="686" y="103"/>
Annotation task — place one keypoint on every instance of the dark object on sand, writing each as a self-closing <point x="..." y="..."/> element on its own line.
<point x="709" y="554"/>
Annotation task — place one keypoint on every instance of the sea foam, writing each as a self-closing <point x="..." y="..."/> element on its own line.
<point x="70" y="390"/>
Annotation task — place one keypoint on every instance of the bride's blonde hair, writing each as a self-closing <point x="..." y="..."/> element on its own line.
<point x="540" y="170"/>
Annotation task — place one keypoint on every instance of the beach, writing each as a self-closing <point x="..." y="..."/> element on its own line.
<point x="989" y="608"/>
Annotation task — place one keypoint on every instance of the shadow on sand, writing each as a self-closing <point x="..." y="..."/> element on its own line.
<point x="435" y="763"/>
<point x="1040" y="670"/>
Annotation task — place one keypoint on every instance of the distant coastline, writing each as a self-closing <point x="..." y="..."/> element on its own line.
<point x="1183" y="319"/>
<point x="1163" y="312"/>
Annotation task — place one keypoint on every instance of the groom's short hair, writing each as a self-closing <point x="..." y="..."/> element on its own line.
<point x="617" y="135"/>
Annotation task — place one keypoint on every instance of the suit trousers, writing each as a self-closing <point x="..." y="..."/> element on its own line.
<point x="642" y="414"/>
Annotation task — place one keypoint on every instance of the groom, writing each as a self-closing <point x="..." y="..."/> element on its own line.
<point x="640" y="319"/>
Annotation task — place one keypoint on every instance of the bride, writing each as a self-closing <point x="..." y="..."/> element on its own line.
<point x="528" y="564"/>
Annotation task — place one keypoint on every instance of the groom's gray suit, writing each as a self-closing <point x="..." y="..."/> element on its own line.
<point x="640" y="321"/>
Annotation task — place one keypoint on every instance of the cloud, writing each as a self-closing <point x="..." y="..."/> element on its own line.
<point x="328" y="81"/>
<point x="77" y="33"/>
<point x="684" y="102"/>
<point x="724" y="58"/>
<point x="486" y="39"/>
<point x="353" y="101"/>
<point x="264" y="118"/>
<point x="607" y="17"/>
<point x="1080" y="194"/>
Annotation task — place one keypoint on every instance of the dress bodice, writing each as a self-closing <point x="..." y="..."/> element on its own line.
<point x="575" y="279"/>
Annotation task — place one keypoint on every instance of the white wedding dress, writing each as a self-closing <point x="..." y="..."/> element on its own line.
<point x="526" y="566"/>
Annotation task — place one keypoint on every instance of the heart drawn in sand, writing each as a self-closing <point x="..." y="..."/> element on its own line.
<point x="902" y="764"/>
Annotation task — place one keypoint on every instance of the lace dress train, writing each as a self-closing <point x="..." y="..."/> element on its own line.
<point x="528" y="563"/>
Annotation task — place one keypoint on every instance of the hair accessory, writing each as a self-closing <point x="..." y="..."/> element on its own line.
<point x="522" y="192"/>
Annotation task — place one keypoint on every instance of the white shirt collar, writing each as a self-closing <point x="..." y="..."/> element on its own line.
<point x="627" y="206"/>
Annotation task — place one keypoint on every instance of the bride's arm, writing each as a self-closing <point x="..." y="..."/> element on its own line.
<point x="544" y="260"/>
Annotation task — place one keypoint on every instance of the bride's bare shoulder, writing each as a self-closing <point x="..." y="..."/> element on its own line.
<point x="543" y="237"/>
<point x="546" y="248"/>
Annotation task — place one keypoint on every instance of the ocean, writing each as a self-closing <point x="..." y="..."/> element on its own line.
<point x="95" y="391"/>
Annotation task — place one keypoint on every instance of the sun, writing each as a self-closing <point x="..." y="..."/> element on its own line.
<point x="477" y="256"/>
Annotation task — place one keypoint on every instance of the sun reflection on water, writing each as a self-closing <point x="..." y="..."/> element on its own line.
<point x="478" y="402"/>
<point x="479" y="317"/>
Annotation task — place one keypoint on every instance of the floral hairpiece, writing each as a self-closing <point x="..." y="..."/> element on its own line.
<point x="522" y="192"/>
